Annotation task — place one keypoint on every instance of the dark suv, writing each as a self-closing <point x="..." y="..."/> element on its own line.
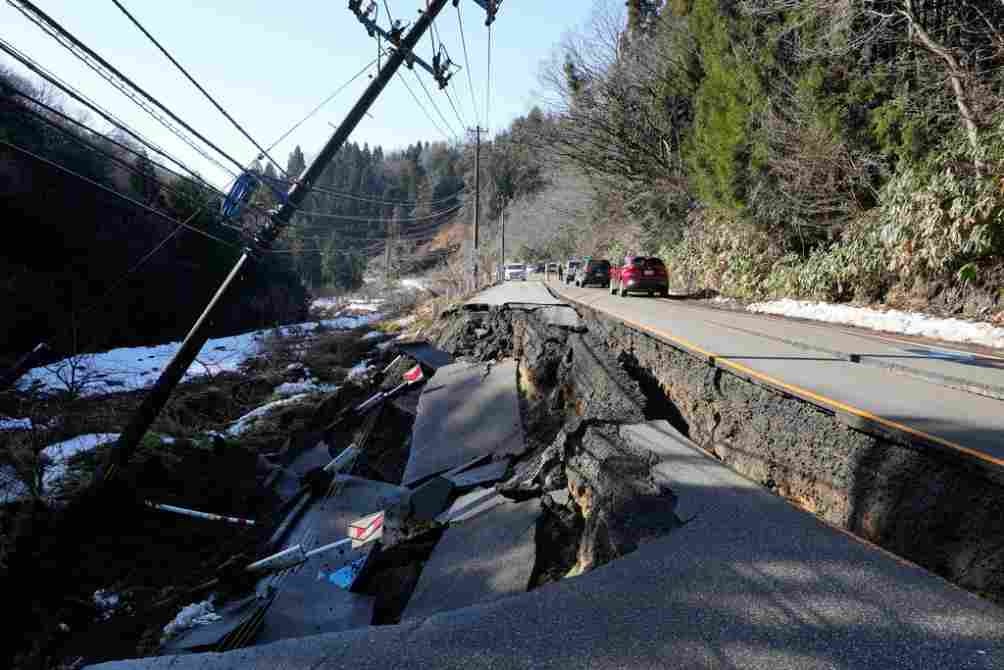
<point x="593" y="271"/>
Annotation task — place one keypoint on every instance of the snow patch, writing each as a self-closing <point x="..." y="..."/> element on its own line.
<point x="190" y="616"/>
<point x="7" y="423"/>
<point x="892" y="321"/>
<point x="309" y="385"/>
<point x="360" y="369"/>
<point x="243" y="424"/>
<point x="107" y="602"/>
<point x="60" y="453"/>
<point x="135" y="368"/>
<point x="365" y="305"/>
<point x="372" y="335"/>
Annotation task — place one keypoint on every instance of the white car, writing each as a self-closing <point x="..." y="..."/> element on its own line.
<point x="515" y="271"/>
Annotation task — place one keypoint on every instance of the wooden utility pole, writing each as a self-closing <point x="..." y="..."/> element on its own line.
<point x="477" y="130"/>
<point x="502" y="237"/>
<point x="158" y="396"/>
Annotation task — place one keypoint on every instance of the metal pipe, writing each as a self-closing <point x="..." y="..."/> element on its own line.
<point x="199" y="515"/>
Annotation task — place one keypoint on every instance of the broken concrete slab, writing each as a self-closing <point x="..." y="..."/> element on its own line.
<point x="485" y="558"/>
<point x="425" y="353"/>
<point x="560" y="316"/>
<point x="312" y="598"/>
<point x="467" y="410"/>
<point x="480" y="476"/>
<point x="667" y="444"/>
<point x="619" y="497"/>
<point x="429" y="499"/>
<point x="288" y="482"/>
<point x="471" y="505"/>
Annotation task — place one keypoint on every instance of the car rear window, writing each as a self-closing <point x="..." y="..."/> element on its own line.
<point x="646" y="263"/>
<point x="599" y="265"/>
<point x="514" y="266"/>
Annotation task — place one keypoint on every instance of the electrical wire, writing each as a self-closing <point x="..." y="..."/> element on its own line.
<point x="467" y="63"/>
<point x="424" y="110"/>
<point x="112" y="191"/>
<point x="69" y="119"/>
<point x="93" y="106"/>
<point x="264" y="152"/>
<point x="324" y="102"/>
<point x="115" y="77"/>
<point x="410" y="219"/>
<point x="488" y="80"/>
<point x="463" y="124"/>
<point x="432" y="101"/>
<point x="375" y="201"/>
<point x="101" y="152"/>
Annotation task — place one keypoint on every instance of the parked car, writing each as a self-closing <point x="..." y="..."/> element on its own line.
<point x="551" y="269"/>
<point x="640" y="274"/>
<point x="539" y="267"/>
<point x="594" y="271"/>
<point x="515" y="272"/>
<point x="571" y="266"/>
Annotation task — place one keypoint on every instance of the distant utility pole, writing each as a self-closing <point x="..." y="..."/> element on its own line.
<point x="158" y="396"/>
<point x="502" y="236"/>
<point x="477" y="130"/>
<point x="387" y="254"/>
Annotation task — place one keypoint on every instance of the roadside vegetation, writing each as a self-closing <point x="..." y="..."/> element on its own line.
<point x="838" y="151"/>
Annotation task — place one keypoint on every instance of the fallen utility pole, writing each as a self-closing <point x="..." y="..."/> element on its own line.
<point x="158" y="396"/>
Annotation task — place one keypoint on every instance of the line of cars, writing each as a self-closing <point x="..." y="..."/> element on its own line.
<point x="636" y="274"/>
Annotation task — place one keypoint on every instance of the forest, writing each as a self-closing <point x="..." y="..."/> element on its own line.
<point x="108" y="244"/>
<point x="836" y="150"/>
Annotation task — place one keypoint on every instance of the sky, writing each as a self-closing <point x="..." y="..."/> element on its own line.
<point x="269" y="63"/>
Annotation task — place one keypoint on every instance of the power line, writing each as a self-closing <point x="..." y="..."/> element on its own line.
<point x="378" y="201"/>
<point x="424" y="110"/>
<point x="323" y="103"/>
<point x="112" y="191"/>
<point x="93" y="106"/>
<point x="488" y="80"/>
<point x="467" y="63"/>
<point x="410" y="219"/>
<point x="104" y="138"/>
<point x="434" y="105"/>
<point x="101" y="152"/>
<point x="115" y="77"/>
<point x="264" y="152"/>
<point x="463" y="124"/>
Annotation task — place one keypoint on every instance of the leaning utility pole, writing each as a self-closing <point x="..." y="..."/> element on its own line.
<point x="158" y="396"/>
<point x="477" y="130"/>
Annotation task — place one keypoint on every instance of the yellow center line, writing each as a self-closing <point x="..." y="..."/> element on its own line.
<point x="799" y="391"/>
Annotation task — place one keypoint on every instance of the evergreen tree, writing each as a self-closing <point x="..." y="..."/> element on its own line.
<point x="296" y="163"/>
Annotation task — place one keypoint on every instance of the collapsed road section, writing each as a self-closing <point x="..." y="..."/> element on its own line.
<point x="609" y="539"/>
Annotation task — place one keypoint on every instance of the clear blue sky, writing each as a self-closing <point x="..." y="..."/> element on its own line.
<point x="268" y="63"/>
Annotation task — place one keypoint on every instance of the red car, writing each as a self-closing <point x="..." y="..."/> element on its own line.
<point x="640" y="274"/>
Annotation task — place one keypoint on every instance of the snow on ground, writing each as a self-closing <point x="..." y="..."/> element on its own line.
<point x="57" y="457"/>
<point x="372" y="335"/>
<point x="196" y="614"/>
<point x="893" y="321"/>
<point x="60" y="453"/>
<point x="415" y="284"/>
<point x="107" y="602"/>
<point x="241" y="425"/>
<point x="133" y="368"/>
<point x="360" y="369"/>
<point x="365" y="305"/>
<point x="7" y="423"/>
<point x="309" y="385"/>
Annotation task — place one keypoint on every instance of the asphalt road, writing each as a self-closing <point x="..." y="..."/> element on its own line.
<point x="747" y="582"/>
<point x="907" y="385"/>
